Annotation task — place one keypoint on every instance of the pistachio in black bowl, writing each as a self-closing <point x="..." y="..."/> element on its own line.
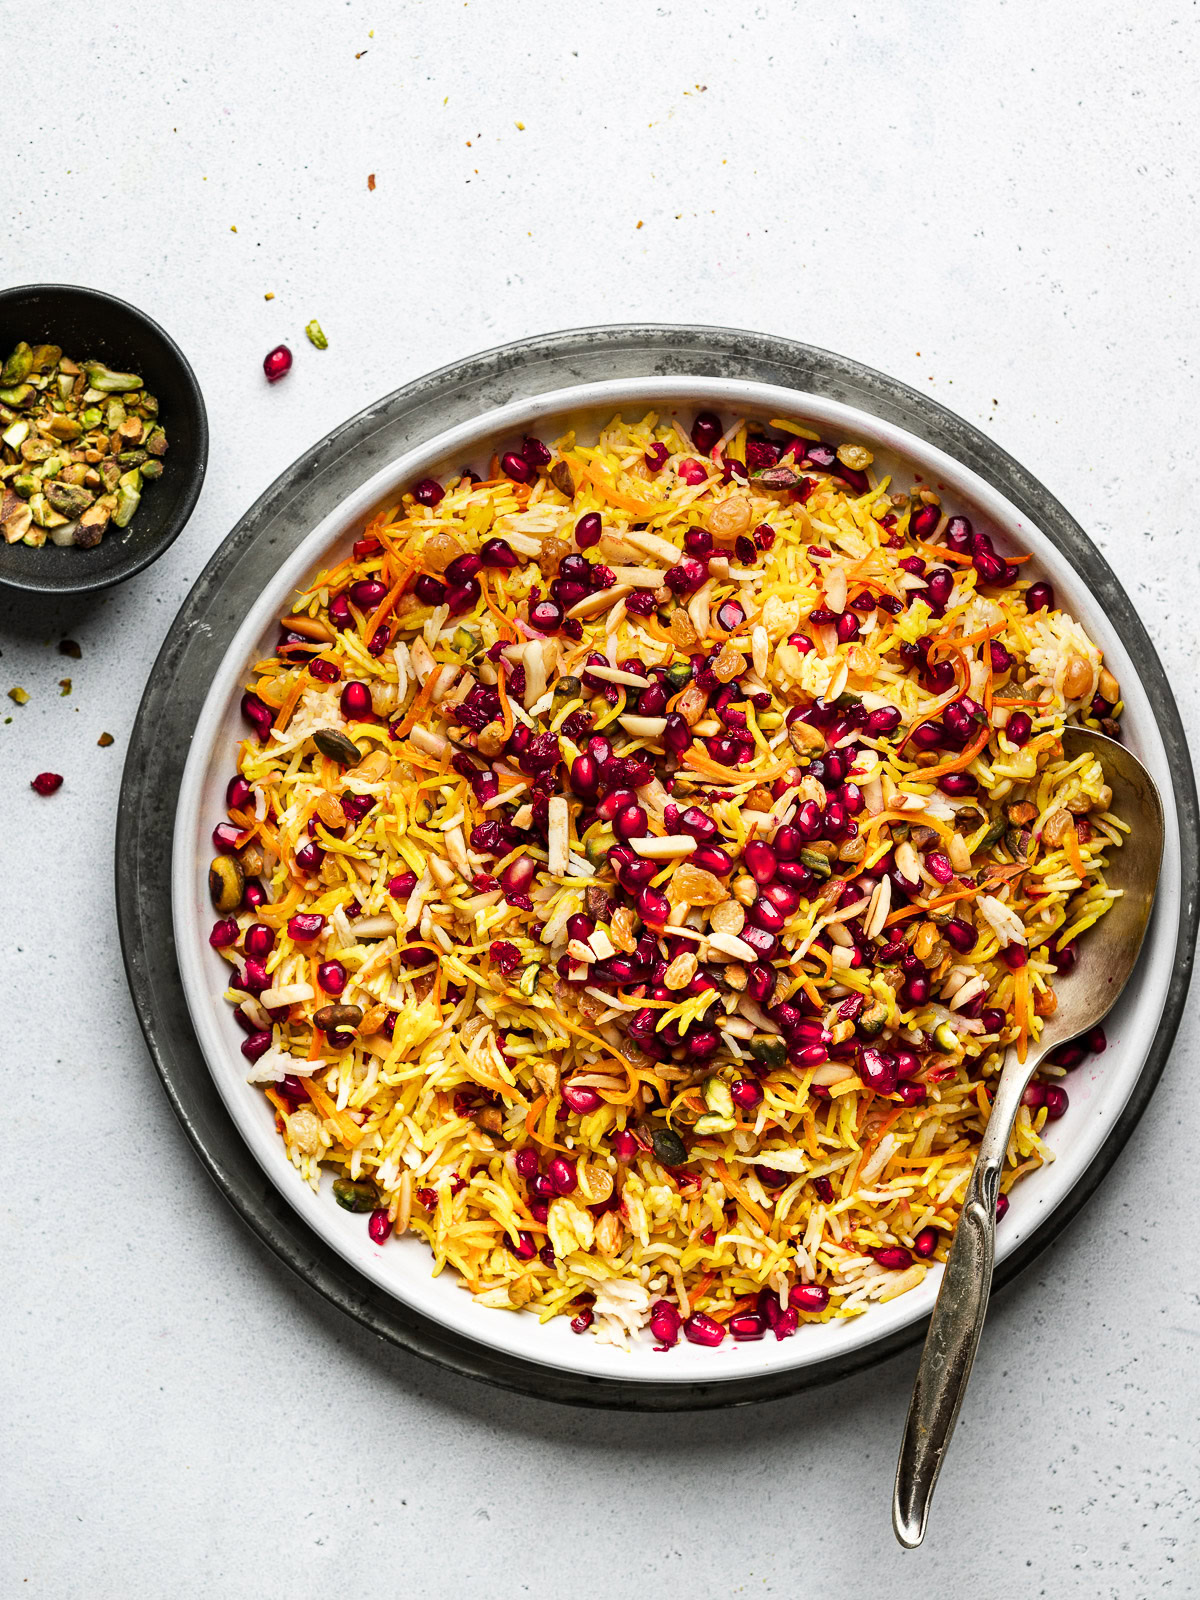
<point x="88" y="327"/>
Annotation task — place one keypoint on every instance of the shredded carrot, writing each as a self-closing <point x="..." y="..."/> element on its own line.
<point x="1071" y="846"/>
<point x="1021" y="1009"/>
<point x="384" y="609"/>
<point x="960" y="762"/>
<point x="507" y="630"/>
<point x="275" y="916"/>
<point x="506" y="711"/>
<point x="422" y="700"/>
<point x="348" y="1130"/>
<point x="732" y="1184"/>
<point x="291" y="700"/>
<point x="940" y="553"/>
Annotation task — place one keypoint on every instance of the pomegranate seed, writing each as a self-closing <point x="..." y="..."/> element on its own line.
<point x="256" y="1045"/>
<point x="692" y="471"/>
<point x="588" y="530"/>
<point x="224" y="933"/>
<point x="356" y="700"/>
<point x="786" y="1323"/>
<point x="277" y="363"/>
<point x="701" y="1329"/>
<point x="746" y="1325"/>
<point x="428" y="492"/>
<point x="664" y="1322"/>
<point x="309" y="856"/>
<point x="563" y="1178"/>
<point x="1002" y="1205"/>
<point x="462" y="597"/>
<point x="367" y="593"/>
<point x="624" y="1145"/>
<point x="546" y="616"/>
<point x="706" y="430"/>
<point x="877" y="1069"/>
<point x="305" y="925"/>
<point x="535" y="452"/>
<point x="760" y="860"/>
<point x="730" y="616"/>
<point x="809" y="1297"/>
<point x="495" y="553"/>
<point x="653" y="907"/>
<point x="893" y="1257"/>
<point x="925" y="1243"/>
<point x="46" y="782"/>
<point x="524" y="1249"/>
<point x="259" y="941"/>
<point x="583" y="1321"/>
<point x="581" y="1101"/>
<point x="711" y="858"/>
<point x="1097" y="1040"/>
<point x="331" y="975"/>
<point x="746" y="1093"/>
<point x="515" y="467"/>
<point x="379" y="1226"/>
<point x="1039" y="597"/>
<point x="255" y="711"/>
<point x="960" y="934"/>
<point x="1057" y="1102"/>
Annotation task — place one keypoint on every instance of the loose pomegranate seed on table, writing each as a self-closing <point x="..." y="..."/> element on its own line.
<point x="636" y="846"/>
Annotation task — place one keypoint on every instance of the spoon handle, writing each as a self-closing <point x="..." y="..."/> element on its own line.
<point x="957" y="1320"/>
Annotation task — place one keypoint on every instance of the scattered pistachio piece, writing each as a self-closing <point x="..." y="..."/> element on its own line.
<point x="104" y="740"/>
<point x="20" y="696"/>
<point x="316" y="335"/>
<point x="65" y="685"/>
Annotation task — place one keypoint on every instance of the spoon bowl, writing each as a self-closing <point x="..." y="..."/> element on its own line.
<point x="1085" y="997"/>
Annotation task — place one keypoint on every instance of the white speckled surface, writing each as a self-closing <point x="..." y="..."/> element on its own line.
<point x="997" y="204"/>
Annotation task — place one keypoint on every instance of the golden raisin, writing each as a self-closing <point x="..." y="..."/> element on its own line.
<point x="729" y="518"/>
<point x="439" y="551"/>
<point x="694" y="887"/>
<point x="683" y="634"/>
<point x="729" y="664"/>
<point x="550" y="556"/>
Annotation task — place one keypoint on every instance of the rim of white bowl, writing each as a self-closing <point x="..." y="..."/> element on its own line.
<point x="1099" y="1090"/>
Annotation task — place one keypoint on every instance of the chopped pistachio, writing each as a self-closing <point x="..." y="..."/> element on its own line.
<point x="79" y="436"/>
<point x="18" y="366"/>
<point x="105" y="381"/>
<point x="152" y="468"/>
<point x="64" y="685"/>
<point x="129" y="497"/>
<point x="70" y="500"/>
<point x="104" y="740"/>
<point x="316" y="335"/>
<point x="19" y="696"/>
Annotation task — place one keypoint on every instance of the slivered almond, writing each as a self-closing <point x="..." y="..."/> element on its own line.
<point x="433" y="744"/>
<point x="665" y="847"/>
<point x="651" y="545"/>
<point x="643" y="727"/>
<point x="730" y="945"/>
<point x="615" y="675"/>
<point x="557" y="836"/>
<point x="593" y="604"/>
<point x="639" y="577"/>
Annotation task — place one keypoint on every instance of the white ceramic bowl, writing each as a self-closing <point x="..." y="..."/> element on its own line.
<point x="1098" y="1090"/>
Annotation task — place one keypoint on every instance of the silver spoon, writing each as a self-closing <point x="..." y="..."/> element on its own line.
<point x="1085" y="998"/>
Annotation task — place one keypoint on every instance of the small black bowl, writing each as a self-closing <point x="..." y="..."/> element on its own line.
<point x="90" y="325"/>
